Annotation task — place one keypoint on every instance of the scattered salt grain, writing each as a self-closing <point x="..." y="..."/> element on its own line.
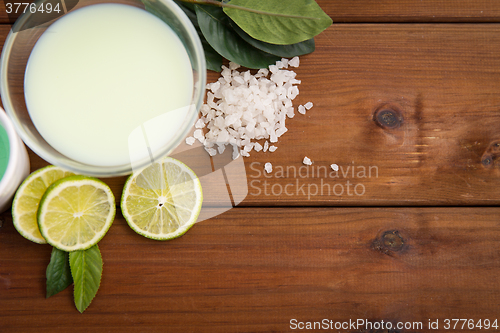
<point x="272" y="149"/>
<point x="334" y="167"/>
<point x="307" y="161"/>
<point x="190" y="140"/>
<point x="308" y="105"/>
<point x="302" y="109"/>
<point x="268" y="167"/>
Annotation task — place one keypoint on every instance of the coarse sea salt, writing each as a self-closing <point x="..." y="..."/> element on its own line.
<point x="334" y="167"/>
<point x="242" y="108"/>
<point x="302" y="109"/>
<point x="307" y="161"/>
<point x="268" y="167"/>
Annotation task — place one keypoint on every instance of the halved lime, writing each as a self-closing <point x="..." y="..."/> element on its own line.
<point x="28" y="195"/>
<point x="76" y="212"/>
<point x="163" y="200"/>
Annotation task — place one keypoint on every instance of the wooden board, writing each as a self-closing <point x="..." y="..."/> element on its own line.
<point x="255" y="269"/>
<point x="440" y="81"/>
<point x="392" y="11"/>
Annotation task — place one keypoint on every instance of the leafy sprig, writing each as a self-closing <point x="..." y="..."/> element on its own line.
<point x="252" y="33"/>
<point x="82" y="268"/>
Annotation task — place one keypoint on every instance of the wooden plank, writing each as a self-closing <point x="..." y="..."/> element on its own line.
<point x="441" y="80"/>
<point x="412" y="11"/>
<point x="390" y="11"/>
<point x="255" y="269"/>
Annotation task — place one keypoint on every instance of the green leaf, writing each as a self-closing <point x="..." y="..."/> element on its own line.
<point x="279" y="22"/>
<point x="58" y="272"/>
<point x="286" y="51"/>
<point x="215" y="26"/>
<point x="185" y="5"/>
<point x="212" y="58"/>
<point x="86" y="269"/>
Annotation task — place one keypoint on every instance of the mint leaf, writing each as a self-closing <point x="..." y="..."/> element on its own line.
<point x="277" y="21"/>
<point x="58" y="272"/>
<point x="86" y="269"/>
<point x="215" y="26"/>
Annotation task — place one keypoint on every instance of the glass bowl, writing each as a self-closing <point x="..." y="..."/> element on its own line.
<point x="17" y="49"/>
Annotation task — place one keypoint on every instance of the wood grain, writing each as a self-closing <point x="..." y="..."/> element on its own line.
<point x="412" y="11"/>
<point x="255" y="269"/>
<point x="442" y="80"/>
<point x="391" y="11"/>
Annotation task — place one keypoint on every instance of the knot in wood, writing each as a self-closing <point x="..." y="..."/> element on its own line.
<point x="389" y="118"/>
<point x="389" y="243"/>
<point x="491" y="154"/>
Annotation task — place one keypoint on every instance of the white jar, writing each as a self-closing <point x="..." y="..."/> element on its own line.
<point x="18" y="167"/>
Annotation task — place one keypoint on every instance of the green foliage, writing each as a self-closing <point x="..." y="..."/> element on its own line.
<point x="253" y="33"/>
<point x="279" y="22"/>
<point x="86" y="269"/>
<point x="58" y="272"/>
<point x="216" y="28"/>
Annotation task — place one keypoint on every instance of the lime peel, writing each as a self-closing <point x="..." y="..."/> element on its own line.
<point x="27" y="199"/>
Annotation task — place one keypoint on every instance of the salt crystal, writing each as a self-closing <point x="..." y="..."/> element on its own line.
<point x="211" y="151"/>
<point x="302" y="109"/>
<point x="281" y="131"/>
<point x="266" y="146"/>
<point x="199" y="124"/>
<point x="236" y="152"/>
<point x="334" y="167"/>
<point x="198" y="134"/>
<point x="257" y="147"/>
<point x="215" y="86"/>
<point x="284" y="61"/>
<point x="221" y="147"/>
<point x="190" y="140"/>
<point x="307" y="161"/>
<point x="294" y="62"/>
<point x="268" y="167"/>
<point x="233" y="65"/>
<point x="239" y="80"/>
<point x="272" y="149"/>
<point x="308" y="105"/>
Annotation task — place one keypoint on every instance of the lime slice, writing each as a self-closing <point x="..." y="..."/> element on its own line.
<point x="28" y="195"/>
<point x="163" y="200"/>
<point x="76" y="212"/>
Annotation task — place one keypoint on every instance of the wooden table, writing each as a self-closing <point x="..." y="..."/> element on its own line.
<point x="422" y="242"/>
